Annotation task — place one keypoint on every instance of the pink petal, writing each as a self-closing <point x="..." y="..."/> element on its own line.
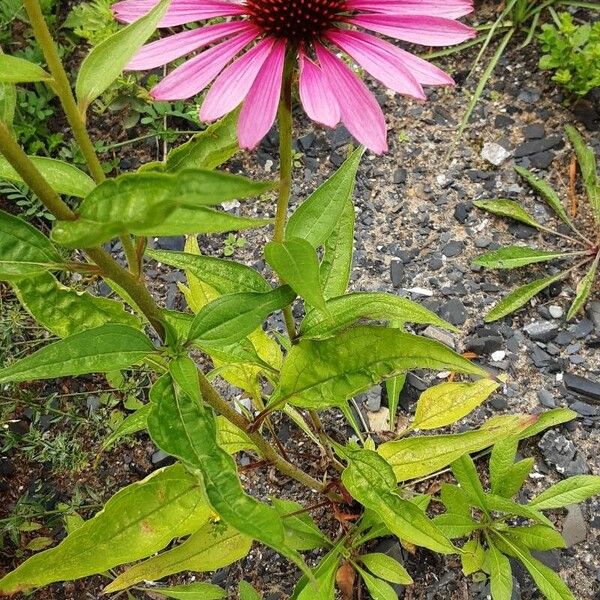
<point x="428" y="31"/>
<point x="234" y="83"/>
<point x="424" y="72"/>
<point x="260" y="108"/>
<point x="316" y="95"/>
<point x="360" y="112"/>
<point x="179" y="12"/>
<point x="379" y="59"/>
<point x="194" y="75"/>
<point x="175" y="46"/>
<point x="452" y="9"/>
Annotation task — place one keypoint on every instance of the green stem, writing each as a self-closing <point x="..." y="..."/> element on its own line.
<point x="63" y="87"/>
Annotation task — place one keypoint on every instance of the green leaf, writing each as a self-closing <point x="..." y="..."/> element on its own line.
<point x="472" y="557"/>
<point x="587" y="165"/>
<point x="297" y="264"/>
<point x="336" y="265"/>
<point x="107" y="348"/>
<point x="211" y="547"/>
<point x="385" y="567"/>
<point x="322" y="373"/>
<point x="153" y="204"/>
<point x="501" y="582"/>
<point x="62" y="177"/>
<point x="301" y="531"/>
<point x="584" y="289"/>
<point x="225" y="276"/>
<point x="516" y="256"/>
<point x="376" y="306"/>
<point x="370" y="480"/>
<point x="23" y="249"/>
<point x="19" y="70"/>
<point x="422" y="455"/>
<point x="247" y="592"/>
<point x="207" y="149"/>
<point x="447" y="403"/>
<point x="192" y="591"/>
<point x="108" y="59"/>
<point x="325" y="579"/>
<point x="547" y="193"/>
<point x="537" y="537"/>
<point x="516" y="477"/>
<point x="550" y="418"/>
<point x="502" y="460"/>
<point x="181" y="426"/>
<point x="8" y="103"/>
<point x="465" y="473"/>
<point x="504" y="505"/>
<point x="137" y="521"/>
<point x="520" y="297"/>
<point x="393" y="389"/>
<point x="232" y="439"/>
<point x="455" y="525"/>
<point x="507" y="208"/>
<point x="549" y="583"/>
<point x="455" y="500"/>
<point x="64" y="311"/>
<point x="230" y="318"/>
<point x="570" y="491"/>
<point x="317" y="217"/>
<point x="136" y="421"/>
<point x="379" y="589"/>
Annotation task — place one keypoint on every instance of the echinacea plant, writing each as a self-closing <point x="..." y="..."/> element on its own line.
<point x="195" y="515"/>
<point x="584" y="251"/>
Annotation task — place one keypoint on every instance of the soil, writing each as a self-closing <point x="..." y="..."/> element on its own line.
<point x="416" y="228"/>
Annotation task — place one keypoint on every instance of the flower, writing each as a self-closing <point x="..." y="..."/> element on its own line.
<point x="245" y="56"/>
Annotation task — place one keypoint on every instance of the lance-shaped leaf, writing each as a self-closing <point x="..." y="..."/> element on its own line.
<point x="208" y="549"/>
<point x="570" y="491"/>
<point x="520" y="297"/>
<point x="336" y="265"/>
<point x="191" y="591"/>
<point x="501" y="581"/>
<point x="502" y="460"/>
<point x="547" y="193"/>
<point x="537" y="537"/>
<point x="316" y="218"/>
<point x="550" y="418"/>
<point x="8" y="102"/>
<point x="297" y="264"/>
<point x="549" y="583"/>
<point x="232" y="439"/>
<point x="322" y="373"/>
<point x="465" y="473"/>
<point x="377" y="306"/>
<point x="447" y="403"/>
<point x="180" y="425"/>
<point x="100" y="350"/>
<point x="584" y="289"/>
<point x="147" y="204"/>
<point x="62" y="177"/>
<point x="423" y="455"/>
<point x="108" y="59"/>
<point x="472" y="557"/>
<point x="247" y="592"/>
<point x="377" y="588"/>
<point x="507" y="506"/>
<point x="225" y="276"/>
<point x="138" y="521"/>
<point x="207" y="149"/>
<point x="518" y="256"/>
<point x="508" y="208"/>
<point x="324" y="576"/>
<point x="386" y="567"/>
<point x="454" y="525"/>
<point x="370" y="480"/>
<point x="19" y="70"/>
<point x="587" y="165"/>
<point x="301" y="531"/>
<point x="231" y="318"/>
<point x="136" y="421"/>
<point x="23" y="249"/>
<point x="64" y="311"/>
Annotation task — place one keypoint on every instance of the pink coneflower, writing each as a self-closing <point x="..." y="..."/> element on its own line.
<point x="261" y="32"/>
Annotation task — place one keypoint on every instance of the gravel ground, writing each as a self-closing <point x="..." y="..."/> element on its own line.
<point x="417" y="228"/>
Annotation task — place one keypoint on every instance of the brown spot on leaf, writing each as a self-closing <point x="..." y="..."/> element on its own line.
<point x="345" y="578"/>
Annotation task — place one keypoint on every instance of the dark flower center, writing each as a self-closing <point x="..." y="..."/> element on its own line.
<point x="295" y="20"/>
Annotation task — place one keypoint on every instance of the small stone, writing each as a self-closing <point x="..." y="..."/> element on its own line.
<point x="397" y="272"/>
<point x="453" y="248"/>
<point x="440" y="335"/>
<point x="574" y="529"/>
<point x="582" y="386"/>
<point x="534" y="131"/>
<point x="454" y="312"/>
<point x="380" y="421"/>
<point x="584" y="409"/>
<point x="541" y="331"/>
<point x="561" y="453"/>
<point x="400" y="176"/>
<point x="556" y="311"/>
<point x="546" y="398"/>
<point x="371" y="399"/>
<point x="176" y="243"/>
<point x="93" y="403"/>
<point x="498" y="355"/>
<point x="537" y="146"/>
<point x="593" y="311"/>
<point x="160" y="458"/>
<point x="495" y="154"/>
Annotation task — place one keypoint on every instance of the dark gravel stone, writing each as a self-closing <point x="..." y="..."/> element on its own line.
<point x="534" y="131"/>
<point x="174" y="243"/>
<point x="537" y="146"/>
<point x="541" y="331"/>
<point x="582" y="386"/>
<point x="397" y="272"/>
<point x="454" y="312"/>
<point x="584" y="409"/>
<point x="400" y="176"/>
<point x="546" y="398"/>
<point x="542" y="160"/>
<point x="453" y="248"/>
<point x="561" y="453"/>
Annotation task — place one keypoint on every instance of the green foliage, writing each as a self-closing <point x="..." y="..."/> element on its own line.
<point x="93" y="21"/>
<point x="584" y="253"/>
<point x="573" y="53"/>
